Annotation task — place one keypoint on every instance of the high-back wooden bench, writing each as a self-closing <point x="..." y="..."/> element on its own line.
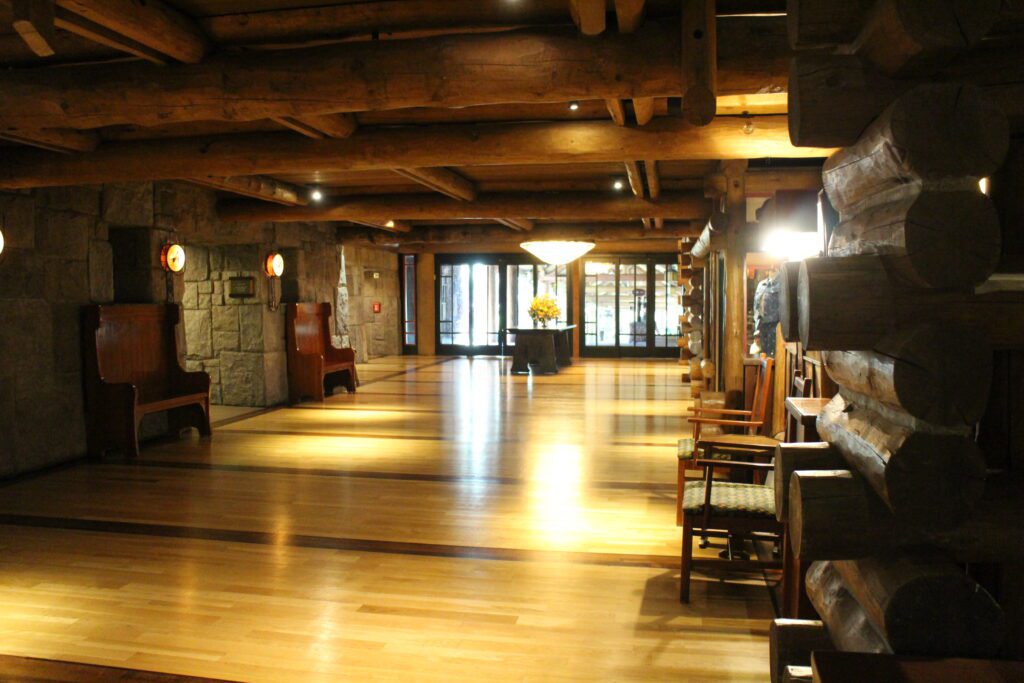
<point x="132" y="369"/>
<point x="315" y="366"/>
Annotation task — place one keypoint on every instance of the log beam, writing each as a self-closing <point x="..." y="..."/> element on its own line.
<point x="321" y="126"/>
<point x="152" y="24"/>
<point x="629" y="14"/>
<point x="553" y="205"/>
<point x="635" y="177"/>
<point x="643" y="110"/>
<point x="848" y="624"/>
<point x="523" y="224"/>
<point x="653" y="179"/>
<point x="790" y="457"/>
<point x="477" y="236"/>
<point x="588" y="15"/>
<point x="540" y="65"/>
<point x="442" y="145"/>
<point x="442" y="180"/>
<point x="699" y="62"/>
<point x="55" y="139"/>
<point x="257" y="187"/>
<point x="617" y="110"/>
<point x="389" y="225"/>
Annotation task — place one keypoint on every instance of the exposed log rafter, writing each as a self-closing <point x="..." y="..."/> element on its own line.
<point x="629" y="14"/>
<point x="33" y="21"/>
<point x="589" y="16"/>
<point x="699" y="63"/>
<point x="257" y="187"/>
<point x="443" y="180"/>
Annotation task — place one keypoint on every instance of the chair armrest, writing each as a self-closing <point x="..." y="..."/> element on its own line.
<point x="721" y="411"/>
<point x="736" y="463"/>
<point x="731" y="423"/>
<point x="193" y="382"/>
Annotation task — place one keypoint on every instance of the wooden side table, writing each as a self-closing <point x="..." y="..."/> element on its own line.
<point x="547" y="348"/>
<point x="802" y="418"/>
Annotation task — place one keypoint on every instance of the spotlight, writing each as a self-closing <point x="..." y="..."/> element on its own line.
<point x="574" y="105"/>
<point x="316" y="194"/>
<point x="618" y="184"/>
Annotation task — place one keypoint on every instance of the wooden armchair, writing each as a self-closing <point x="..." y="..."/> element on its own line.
<point x="746" y="443"/>
<point x="726" y="509"/>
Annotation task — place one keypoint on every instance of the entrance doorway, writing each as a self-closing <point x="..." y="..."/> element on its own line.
<point x="630" y="306"/>
<point x="480" y="296"/>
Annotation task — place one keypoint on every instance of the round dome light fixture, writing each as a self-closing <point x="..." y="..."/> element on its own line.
<point x="274" y="265"/>
<point x="557" y="252"/>
<point x="172" y="258"/>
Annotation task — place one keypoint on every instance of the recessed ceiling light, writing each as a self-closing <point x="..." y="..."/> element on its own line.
<point x="618" y="184"/>
<point x="574" y="105"/>
<point x="316" y="195"/>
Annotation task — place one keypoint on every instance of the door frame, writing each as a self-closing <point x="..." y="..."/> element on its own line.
<point x="502" y="260"/>
<point x="650" y="260"/>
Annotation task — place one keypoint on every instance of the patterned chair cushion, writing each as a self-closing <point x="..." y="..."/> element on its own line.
<point x="730" y="499"/>
<point x="684" y="451"/>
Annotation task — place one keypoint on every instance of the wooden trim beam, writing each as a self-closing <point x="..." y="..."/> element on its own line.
<point x="257" y="187"/>
<point x="152" y="23"/>
<point x="322" y="126"/>
<point x="445" y="71"/>
<point x="666" y="138"/>
<point x="635" y="177"/>
<point x="653" y="179"/>
<point x="388" y="225"/>
<point x="629" y="14"/>
<point x="442" y="180"/>
<point x="542" y="231"/>
<point x="521" y="224"/>
<point x="55" y="139"/>
<point x="643" y="110"/>
<point x="617" y="110"/>
<point x="588" y="15"/>
<point x="90" y="30"/>
<point x="549" y="205"/>
<point x="33" y="21"/>
<point x="699" y="63"/>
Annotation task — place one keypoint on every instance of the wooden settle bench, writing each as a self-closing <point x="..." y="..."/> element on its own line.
<point x="315" y="366"/>
<point x="132" y="369"/>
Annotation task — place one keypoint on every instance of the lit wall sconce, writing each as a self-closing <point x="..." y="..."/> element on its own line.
<point x="1" y="241"/>
<point x="172" y="258"/>
<point x="274" y="265"/>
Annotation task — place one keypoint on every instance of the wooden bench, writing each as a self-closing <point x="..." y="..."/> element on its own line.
<point x="315" y="366"/>
<point x="132" y="369"/>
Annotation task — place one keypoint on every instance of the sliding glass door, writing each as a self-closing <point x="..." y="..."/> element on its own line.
<point x="479" y="297"/>
<point x="630" y="306"/>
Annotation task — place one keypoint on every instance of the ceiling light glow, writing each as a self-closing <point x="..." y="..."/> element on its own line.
<point x="557" y="252"/>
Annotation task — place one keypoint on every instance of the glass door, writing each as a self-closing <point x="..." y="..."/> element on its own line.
<point x="479" y="297"/>
<point x="631" y="306"/>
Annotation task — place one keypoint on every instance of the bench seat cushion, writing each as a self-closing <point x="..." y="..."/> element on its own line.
<point x="729" y="499"/>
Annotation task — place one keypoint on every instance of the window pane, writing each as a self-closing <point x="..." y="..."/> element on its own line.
<point x="599" y="303"/>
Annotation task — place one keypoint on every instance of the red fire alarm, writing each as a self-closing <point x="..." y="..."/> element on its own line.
<point x="376" y="307"/>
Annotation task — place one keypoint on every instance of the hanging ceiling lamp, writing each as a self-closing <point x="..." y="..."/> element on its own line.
<point x="557" y="252"/>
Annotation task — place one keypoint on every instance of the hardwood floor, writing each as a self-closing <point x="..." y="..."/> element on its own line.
<point x="447" y="522"/>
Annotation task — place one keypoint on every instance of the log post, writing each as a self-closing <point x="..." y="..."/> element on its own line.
<point x="823" y="23"/>
<point x="913" y="369"/>
<point x="933" y="132"/>
<point x="848" y="625"/>
<point x="734" y="335"/>
<point x="699" y="62"/>
<point x="835" y="516"/>
<point x="927" y="479"/>
<point x="791" y="642"/>
<point x="790" y="457"/>
<point x="932" y="238"/>
<point x="789" y="278"/>
<point x="923" y="604"/>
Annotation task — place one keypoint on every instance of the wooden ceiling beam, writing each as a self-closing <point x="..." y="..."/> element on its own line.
<point x="33" y="21"/>
<point x="497" y="206"/>
<point x="388" y="225"/>
<point x="322" y="126"/>
<point x="588" y="15"/>
<point x="629" y="14"/>
<point x="521" y="224"/>
<point x="527" y="66"/>
<point x="256" y="187"/>
<point x="152" y="23"/>
<point x="617" y="110"/>
<point x="55" y="139"/>
<point x="653" y="179"/>
<point x="635" y="177"/>
<point x="101" y="35"/>
<point x="643" y="110"/>
<point x="542" y="231"/>
<point x="442" y="180"/>
<point x="568" y="142"/>
<point x="699" y="63"/>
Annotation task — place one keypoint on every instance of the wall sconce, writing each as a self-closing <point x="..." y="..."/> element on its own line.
<point x="1" y="242"/>
<point x="274" y="265"/>
<point x="172" y="258"/>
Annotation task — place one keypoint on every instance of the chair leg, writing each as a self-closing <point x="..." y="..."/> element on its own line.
<point x="686" y="561"/>
<point x="680" y="489"/>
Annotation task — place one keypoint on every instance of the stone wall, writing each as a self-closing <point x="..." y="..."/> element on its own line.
<point x="370" y="276"/>
<point x="59" y="255"/>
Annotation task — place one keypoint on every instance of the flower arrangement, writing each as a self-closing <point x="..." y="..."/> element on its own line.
<point x="544" y="309"/>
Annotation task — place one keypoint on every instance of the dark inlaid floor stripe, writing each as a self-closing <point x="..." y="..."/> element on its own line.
<point x="364" y="474"/>
<point x="334" y="543"/>
<point x="37" y="670"/>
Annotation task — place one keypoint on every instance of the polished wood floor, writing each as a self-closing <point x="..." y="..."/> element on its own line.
<point x="447" y="522"/>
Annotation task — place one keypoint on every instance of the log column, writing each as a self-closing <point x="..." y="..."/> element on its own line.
<point x="735" y="282"/>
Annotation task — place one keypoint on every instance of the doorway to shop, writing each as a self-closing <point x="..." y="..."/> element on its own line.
<point x="630" y="306"/>
<point x="480" y="296"/>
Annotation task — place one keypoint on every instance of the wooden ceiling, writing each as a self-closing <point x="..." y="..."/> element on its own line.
<point x="406" y="114"/>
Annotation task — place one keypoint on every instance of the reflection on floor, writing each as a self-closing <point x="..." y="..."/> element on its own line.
<point x="448" y="521"/>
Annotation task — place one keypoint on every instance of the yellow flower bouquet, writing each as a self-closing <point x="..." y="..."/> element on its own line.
<point x="544" y="309"/>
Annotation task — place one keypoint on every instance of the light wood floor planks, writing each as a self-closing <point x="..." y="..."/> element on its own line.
<point x="447" y="522"/>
